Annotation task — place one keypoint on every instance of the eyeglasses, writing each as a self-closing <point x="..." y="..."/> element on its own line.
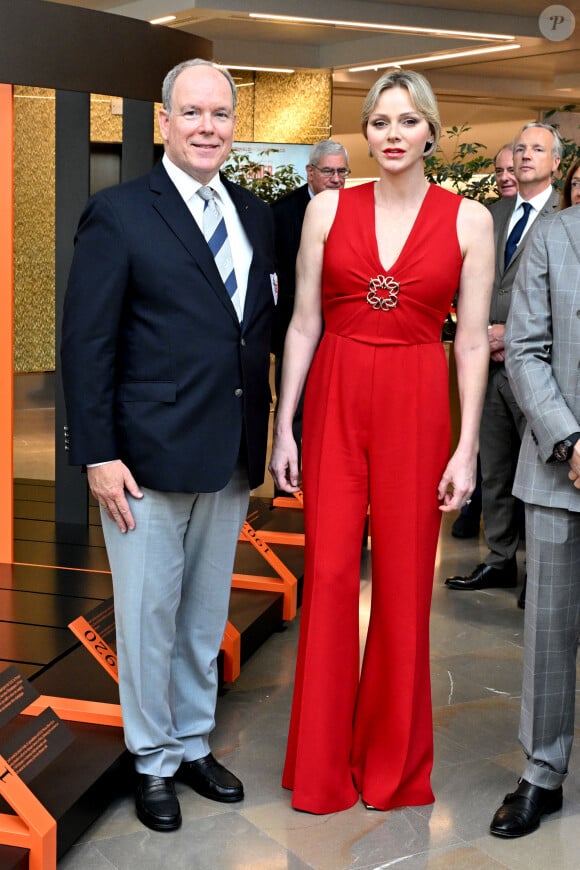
<point x="575" y="185"/>
<point x="328" y="172"/>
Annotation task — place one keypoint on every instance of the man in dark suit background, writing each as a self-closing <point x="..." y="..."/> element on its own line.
<point x="503" y="170"/>
<point x="537" y="155"/>
<point x="467" y="524"/>
<point x="165" y="371"/>
<point x="327" y="169"/>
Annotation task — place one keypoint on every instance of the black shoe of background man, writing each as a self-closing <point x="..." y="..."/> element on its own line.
<point x="466" y="526"/>
<point x="522" y="810"/>
<point x="487" y="577"/>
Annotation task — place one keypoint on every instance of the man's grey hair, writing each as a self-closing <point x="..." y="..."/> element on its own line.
<point x="557" y="145"/>
<point x="324" y="149"/>
<point x="509" y="146"/>
<point x="169" y="80"/>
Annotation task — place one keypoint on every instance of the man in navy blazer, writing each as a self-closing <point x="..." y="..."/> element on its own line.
<point x="167" y="393"/>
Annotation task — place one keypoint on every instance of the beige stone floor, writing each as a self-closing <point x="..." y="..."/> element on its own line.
<point x="476" y="670"/>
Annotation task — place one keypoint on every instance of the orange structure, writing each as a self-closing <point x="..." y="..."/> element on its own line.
<point x="285" y="582"/>
<point x="6" y="321"/>
<point x="32" y="827"/>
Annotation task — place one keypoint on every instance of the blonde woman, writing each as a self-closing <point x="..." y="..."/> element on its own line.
<point x="379" y="264"/>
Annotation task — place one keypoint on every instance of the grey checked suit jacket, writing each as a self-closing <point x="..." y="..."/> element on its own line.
<point x="543" y="356"/>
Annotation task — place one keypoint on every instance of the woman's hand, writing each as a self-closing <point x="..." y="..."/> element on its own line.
<point x="457" y="483"/>
<point x="284" y="463"/>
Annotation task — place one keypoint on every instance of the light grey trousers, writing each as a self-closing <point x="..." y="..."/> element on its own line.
<point x="552" y="629"/>
<point x="171" y="581"/>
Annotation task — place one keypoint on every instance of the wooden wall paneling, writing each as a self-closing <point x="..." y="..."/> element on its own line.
<point x="137" y="147"/>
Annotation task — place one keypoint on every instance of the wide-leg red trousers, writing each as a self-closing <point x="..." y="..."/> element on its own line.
<point x="376" y="430"/>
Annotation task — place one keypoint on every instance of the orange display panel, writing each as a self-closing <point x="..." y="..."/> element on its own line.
<point x="6" y="321"/>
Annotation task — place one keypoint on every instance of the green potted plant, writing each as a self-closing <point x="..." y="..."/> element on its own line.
<point x="250" y="173"/>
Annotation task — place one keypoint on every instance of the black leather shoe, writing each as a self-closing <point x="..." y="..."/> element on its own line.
<point x="156" y="802"/>
<point x="465" y="527"/>
<point x="209" y="778"/>
<point x="487" y="577"/>
<point x="522" y="809"/>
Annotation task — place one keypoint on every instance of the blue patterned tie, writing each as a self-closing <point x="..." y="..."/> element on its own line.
<point x="215" y="232"/>
<point x="516" y="234"/>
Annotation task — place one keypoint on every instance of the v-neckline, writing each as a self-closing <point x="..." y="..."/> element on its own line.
<point x="409" y="236"/>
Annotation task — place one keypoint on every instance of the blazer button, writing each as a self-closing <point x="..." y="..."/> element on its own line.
<point x="239" y="392"/>
<point x="243" y="342"/>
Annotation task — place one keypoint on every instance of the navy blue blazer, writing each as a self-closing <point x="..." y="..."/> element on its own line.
<point x="157" y="370"/>
<point x="288" y="219"/>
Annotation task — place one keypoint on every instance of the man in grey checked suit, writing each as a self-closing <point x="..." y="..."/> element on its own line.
<point x="537" y="154"/>
<point x="542" y="359"/>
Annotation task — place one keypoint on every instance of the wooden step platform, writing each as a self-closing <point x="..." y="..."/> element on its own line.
<point x="60" y="573"/>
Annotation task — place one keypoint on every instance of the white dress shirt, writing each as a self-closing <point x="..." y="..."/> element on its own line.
<point x="241" y="249"/>
<point x="537" y="202"/>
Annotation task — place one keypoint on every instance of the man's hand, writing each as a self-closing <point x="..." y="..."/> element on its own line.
<point x="495" y="336"/>
<point x="574" y="462"/>
<point x="108" y="483"/>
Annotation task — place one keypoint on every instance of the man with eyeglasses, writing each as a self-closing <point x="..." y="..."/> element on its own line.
<point x="327" y="169"/>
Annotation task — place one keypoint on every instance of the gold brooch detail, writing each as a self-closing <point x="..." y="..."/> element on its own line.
<point x="383" y="303"/>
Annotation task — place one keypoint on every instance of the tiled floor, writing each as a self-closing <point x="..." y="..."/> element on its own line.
<point x="476" y="671"/>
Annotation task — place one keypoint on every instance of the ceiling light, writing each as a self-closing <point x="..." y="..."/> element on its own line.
<point x="432" y="58"/>
<point x="259" y="68"/>
<point x="393" y="28"/>
<point x="164" y="20"/>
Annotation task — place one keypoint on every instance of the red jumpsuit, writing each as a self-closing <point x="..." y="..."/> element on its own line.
<point x="376" y="430"/>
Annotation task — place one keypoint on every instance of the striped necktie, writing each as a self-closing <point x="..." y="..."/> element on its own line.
<point x="216" y="234"/>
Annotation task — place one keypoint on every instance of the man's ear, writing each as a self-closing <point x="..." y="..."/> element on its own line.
<point x="163" y="121"/>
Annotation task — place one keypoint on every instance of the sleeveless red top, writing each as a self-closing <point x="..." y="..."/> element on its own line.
<point x="419" y="286"/>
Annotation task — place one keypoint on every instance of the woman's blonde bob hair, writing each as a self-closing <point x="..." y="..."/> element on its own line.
<point x="421" y="95"/>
